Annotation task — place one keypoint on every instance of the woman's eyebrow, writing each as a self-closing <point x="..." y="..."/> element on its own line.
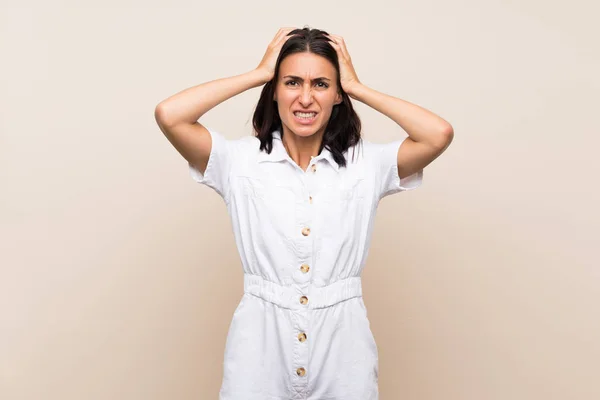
<point x="322" y="78"/>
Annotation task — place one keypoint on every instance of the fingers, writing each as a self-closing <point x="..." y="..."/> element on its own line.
<point x="281" y="34"/>
<point x="339" y="44"/>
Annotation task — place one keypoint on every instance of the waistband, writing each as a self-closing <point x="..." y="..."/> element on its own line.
<point x="290" y="296"/>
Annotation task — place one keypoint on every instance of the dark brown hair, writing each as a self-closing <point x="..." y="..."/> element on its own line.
<point x="343" y="128"/>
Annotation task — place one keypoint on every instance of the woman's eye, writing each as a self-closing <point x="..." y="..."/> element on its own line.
<point x="324" y="85"/>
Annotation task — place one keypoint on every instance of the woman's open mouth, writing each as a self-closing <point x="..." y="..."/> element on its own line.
<point x="305" y="118"/>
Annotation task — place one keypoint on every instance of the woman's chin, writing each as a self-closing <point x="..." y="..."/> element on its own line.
<point x="305" y="131"/>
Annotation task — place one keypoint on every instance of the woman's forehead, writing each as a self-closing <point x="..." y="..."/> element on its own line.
<point x="307" y="65"/>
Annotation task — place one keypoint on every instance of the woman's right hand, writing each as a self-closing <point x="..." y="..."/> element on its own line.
<point x="267" y="64"/>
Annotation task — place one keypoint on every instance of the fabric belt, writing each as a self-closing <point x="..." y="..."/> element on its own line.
<point x="290" y="296"/>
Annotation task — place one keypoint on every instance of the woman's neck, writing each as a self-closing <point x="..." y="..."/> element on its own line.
<point x="302" y="149"/>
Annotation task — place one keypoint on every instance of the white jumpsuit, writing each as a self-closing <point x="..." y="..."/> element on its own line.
<point x="300" y="330"/>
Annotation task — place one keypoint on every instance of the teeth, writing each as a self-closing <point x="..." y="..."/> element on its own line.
<point x="305" y="115"/>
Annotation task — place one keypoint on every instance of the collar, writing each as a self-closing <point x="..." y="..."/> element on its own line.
<point x="279" y="153"/>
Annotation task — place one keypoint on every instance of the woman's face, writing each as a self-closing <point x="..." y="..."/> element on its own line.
<point x="306" y="83"/>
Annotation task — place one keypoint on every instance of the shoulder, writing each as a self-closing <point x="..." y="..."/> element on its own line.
<point x="371" y="148"/>
<point x="244" y="144"/>
<point x="364" y="153"/>
<point x="247" y="151"/>
<point x="249" y="145"/>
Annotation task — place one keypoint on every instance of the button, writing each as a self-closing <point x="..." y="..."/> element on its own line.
<point x="306" y="231"/>
<point x="301" y="371"/>
<point x="302" y="337"/>
<point x="304" y="300"/>
<point x="304" y="268"/>
<point x="314" y="168"/>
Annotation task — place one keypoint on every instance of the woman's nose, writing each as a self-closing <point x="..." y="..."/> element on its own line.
<point x="306" y="96"/>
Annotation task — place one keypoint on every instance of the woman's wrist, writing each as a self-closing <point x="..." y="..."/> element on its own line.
<point x="261" y="76"/>
<point x="355" y="90"/>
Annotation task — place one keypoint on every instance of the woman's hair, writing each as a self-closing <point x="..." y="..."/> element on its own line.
<point x="343" y="128"/>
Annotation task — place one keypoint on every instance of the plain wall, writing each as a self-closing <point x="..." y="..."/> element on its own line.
<point x="119" y="274"/>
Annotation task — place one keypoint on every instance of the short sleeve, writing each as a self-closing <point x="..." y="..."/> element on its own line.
<point x="385" y="157"/>
<point x="220" y="161"/>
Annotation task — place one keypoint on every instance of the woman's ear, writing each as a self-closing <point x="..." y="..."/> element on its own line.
<point x="338" y="99"/>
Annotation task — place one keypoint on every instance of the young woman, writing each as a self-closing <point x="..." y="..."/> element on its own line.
<point x="302" y="194"/>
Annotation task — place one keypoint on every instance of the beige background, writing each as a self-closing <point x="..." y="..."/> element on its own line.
<point x="119" y="275"/>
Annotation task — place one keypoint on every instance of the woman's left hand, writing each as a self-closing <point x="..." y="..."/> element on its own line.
<point x="348" y="76"/>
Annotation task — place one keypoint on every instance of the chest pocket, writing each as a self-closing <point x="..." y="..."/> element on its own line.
<point x="349" y="188"/>
<point x="269" y="206"/>
<point x="353" y="189"/>
<point x="343" y="204"/>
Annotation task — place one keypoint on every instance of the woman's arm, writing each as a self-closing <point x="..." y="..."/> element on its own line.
<point x="190" y="104"/>
<point x="429" y="134"/>
<point x="177" y="115"/>
<point x="421" y="125"/>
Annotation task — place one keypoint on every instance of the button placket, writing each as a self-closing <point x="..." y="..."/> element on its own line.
<point x="302" y="277"/>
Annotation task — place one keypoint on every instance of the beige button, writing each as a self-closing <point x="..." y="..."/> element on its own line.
<point x="302" y="337"/>
<point x="306" y="231"/>
<point x="314" y="168"/>
<point x="304" y="268"/>
<point x="304" y="300"/>
<point x="301" y="371"/>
